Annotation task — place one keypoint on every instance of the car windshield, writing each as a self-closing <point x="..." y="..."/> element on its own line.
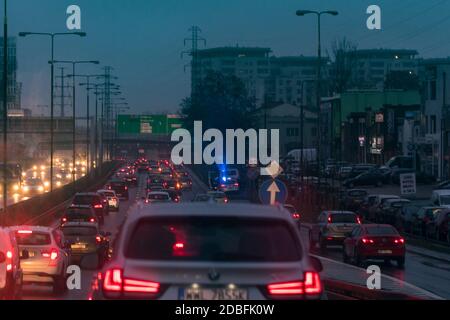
<point x="381" y="230"/>
<point x="213" y="239"/>
<point x="33" y="239"/>
<point x="79" y="231"/>
<point x="343" y="218"/>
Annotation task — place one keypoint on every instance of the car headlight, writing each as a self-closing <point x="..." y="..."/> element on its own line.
<point x="16" y="187"/>
<point x="46" y="183"/>
<point x="58" y="183"/>
<point x="26" y="189"/>
<point x="41" y="188"/>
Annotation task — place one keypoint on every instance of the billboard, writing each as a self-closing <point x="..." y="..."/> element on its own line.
<point x="148" y="124"/>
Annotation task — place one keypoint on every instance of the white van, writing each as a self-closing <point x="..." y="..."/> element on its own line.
<point x="441" y="198"/>
<point x="11" y="276"/>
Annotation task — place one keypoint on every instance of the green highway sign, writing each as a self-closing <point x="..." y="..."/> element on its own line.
<point x="148" y="124"/>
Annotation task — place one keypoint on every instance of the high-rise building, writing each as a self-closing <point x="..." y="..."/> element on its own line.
<point x="250" y="64"/>
<point x="14" y="88"/>
<point x="371" y="66"/>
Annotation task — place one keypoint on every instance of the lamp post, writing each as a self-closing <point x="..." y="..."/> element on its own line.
<point x="74" y="63"/>
<point x="88" y="130"/>
<point x="5" y="114"/>
<point x="302" y="13"/>
<point x="52" y="71"/>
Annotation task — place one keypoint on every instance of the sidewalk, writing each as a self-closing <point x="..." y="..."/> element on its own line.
<point x="429" y="253"/>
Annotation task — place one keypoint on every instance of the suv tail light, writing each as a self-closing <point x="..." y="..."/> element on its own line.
<point x="64" y="219"/>
<point x="399" y="241"/>
<point x="114" y="282"/>
<point x="9" y="257"/>
<point x="52" y="254"/>
<point x="98" y="206"/>
<point x="92" y="220"/>
<point x="98" y="239"/>
<point x="311" y="285"/>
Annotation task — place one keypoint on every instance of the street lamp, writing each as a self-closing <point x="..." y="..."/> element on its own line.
<point x="88" y="130"/>
<point x="302" y="13"/>
<point x="52" y="70"/>
<point x="74" y="63"/>
<point x="5" y="115"/>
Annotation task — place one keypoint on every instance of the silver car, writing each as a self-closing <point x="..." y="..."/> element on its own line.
<point x="47" y="259"/>
<point x="208" y="251"/>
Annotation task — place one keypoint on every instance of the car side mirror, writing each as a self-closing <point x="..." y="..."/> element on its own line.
<point x="2" y="257"/>
<point x="25" y="255"/>
<point x="316" y="263"/>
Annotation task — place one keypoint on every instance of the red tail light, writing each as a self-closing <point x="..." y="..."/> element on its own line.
<point x="25" y="231"/>
<point x="9" y="257"/>
<point x="330" y="220"/>
<point x="98" y="206"/>
<point x="115" y="282"/>
<point x="225" y="200"/>
<point x="367" y="241"/>
<point x="399" y="241"/>
<point x="295" y="216"/>
<point x="92" y="220"/>
<point x="98" y="239"/>
<point x="358" y="220"/>
<point x="64" y="219"/>
<point x="126" y="188"/>
<point x="52" y="254"/>
<point x="309" y="286"/>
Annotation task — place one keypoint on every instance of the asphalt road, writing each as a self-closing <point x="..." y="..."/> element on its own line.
<point x="429" y="274"/>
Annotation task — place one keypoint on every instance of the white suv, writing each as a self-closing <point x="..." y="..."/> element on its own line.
<point x="47" y="259"/>
<point x="208" y="251"/>
<point x="11" y="277"/>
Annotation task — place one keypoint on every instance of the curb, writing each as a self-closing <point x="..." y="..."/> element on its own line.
<point x="428" y="254"/>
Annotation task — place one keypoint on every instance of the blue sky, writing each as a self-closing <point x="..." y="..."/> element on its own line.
<point x="143" y="39"/>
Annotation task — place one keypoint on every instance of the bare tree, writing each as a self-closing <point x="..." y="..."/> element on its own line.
<point x="344" y="63"/>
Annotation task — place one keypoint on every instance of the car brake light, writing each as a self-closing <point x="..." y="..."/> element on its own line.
<point x="330" y="220"/>
<point x="126" y="188"/>
<point x="9" y="257"/>
<point x="98" y="239"/>
<point x="225" y="200"/>
<point x="25" y="232"/>
<point x="114" y="282"/>
<point x="98" y="206"/>
<point x="52" y="254"/>
<point x="310" y="286"/>
<point x="400" y="240"/>
<point x="64" y="219"/>
<point x="358" y="220"/>
<point x="295" y="216"/>
<point x="92" y="220"/>
<point x="367" y="241"/>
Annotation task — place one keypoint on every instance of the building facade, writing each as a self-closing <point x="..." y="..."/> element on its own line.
<point x="14" y="88"/>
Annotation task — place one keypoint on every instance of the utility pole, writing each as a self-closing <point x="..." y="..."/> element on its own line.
<point x="62" y="92"/>
<point x="194" y="40"/>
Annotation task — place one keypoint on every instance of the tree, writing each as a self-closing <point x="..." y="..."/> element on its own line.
<point x="402" y="80"/>
<point x="344" y="57"/>
<point x="220" y="102"/>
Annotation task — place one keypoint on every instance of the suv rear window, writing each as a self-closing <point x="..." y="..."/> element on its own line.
<point x="33" y="239"/>
<point x="344" y="218"/>
<point x="213" y="239"/>
<point x="158" y="197"/>
<point x="86" y="200"/>
<point x="79" y="231"/>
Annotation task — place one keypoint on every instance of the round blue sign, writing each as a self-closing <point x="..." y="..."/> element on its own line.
<point x="273" y="192"/>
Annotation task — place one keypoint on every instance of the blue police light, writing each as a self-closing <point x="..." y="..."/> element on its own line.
<point x="224" y="179"/>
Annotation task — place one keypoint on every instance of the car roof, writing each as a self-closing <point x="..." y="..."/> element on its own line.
<point x="442" y="192"/>
<point x="32" y="228"/>
<point x="206" y="209"/>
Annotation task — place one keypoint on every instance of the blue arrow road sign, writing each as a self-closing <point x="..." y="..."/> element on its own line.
<point x="273" y="192"/>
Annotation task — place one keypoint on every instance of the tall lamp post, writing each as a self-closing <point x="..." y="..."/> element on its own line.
<point x="52" y="71"/>
<point x="5" y="114"/>
<point x="319" y="14"/>
<point x="88" y="129"/>
<point x="74" y="63"/>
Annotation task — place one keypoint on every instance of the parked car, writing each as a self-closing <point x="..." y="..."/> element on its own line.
<point x="344" y="172"/>
<point x="353" y="198"/>
<point x="357" y="169"/>
<point x="47" y="256"/>
<point x="11" y="274"/>
<point x="369" y="178"/>
<point x="389" y="210"/>
<point x="374" y="242"/>
<point x="375" y="209"/>
<point x="422" y="218"/>
<point x="331" y="228"/>
<point x="365" y="206"/>
<point x="437" y="226"/>
<point x="441" y="198"/>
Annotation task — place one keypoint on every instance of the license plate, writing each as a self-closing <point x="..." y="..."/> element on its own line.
<point x="213" y="294"/>
<point x="78" y="246"/>
<point x="385" y="251"/>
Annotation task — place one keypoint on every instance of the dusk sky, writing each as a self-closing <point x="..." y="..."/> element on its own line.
<point x="142" y="39"/>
